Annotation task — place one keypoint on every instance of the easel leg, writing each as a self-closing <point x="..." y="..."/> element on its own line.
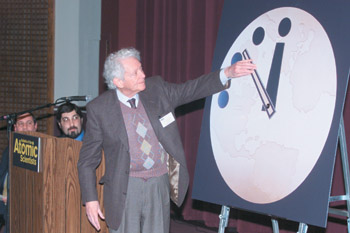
<point x="275" y="226"/>
<point x="225" y="211"/>
<point x="346" y="175"/>
<point x="345" y="166"/>
<point x="302" y="228"/>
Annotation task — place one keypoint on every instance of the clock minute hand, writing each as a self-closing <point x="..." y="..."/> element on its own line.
<point x="264" y="96"/>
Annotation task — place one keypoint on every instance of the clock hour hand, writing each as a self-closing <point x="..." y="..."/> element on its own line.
<point x="264" y="96"/>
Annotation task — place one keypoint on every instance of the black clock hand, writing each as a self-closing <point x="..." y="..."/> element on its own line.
<point x="275" y="71"/>
<point x="264" y="96"/>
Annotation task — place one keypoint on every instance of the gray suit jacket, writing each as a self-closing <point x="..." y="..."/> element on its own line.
<point x="105" y="130"/>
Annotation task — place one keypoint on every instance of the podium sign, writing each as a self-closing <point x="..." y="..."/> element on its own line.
<point x="26" y="152"/>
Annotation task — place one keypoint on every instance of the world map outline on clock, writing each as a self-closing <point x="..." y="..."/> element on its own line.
<point x="264" y="158"/>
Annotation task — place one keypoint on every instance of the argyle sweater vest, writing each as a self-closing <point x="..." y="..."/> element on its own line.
<point x="147" y="156"/>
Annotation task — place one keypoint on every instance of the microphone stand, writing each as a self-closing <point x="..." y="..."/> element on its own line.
<point x="10" y="119"/>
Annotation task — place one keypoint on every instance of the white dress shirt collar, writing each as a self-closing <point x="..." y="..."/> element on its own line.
<point x="124" y="99"/>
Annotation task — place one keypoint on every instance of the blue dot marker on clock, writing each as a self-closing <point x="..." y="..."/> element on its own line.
<point x="236" y="57"/>
<point x="223" y="99"/>
<point x="224" y="96"/>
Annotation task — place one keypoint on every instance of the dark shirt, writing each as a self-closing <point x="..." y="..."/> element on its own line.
<point x="4" y="169"/>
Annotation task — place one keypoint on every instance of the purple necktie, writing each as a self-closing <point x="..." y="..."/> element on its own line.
<point x="132" y="103"/>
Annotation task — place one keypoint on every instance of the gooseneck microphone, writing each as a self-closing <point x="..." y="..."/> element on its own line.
<point x="76" y="98"/>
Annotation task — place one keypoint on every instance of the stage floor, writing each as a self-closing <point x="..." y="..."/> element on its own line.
<point x="181" y="226"/>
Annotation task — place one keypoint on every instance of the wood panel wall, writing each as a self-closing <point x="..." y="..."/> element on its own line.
<point x="26" y="60"/>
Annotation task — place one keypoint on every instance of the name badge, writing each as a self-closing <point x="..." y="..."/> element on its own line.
<point x="167" y="119"/>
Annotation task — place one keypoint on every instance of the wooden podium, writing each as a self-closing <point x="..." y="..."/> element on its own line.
<point x="50" y="201"/>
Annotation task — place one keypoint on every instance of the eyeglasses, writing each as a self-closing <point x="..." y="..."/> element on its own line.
<point x="22" y="123"/>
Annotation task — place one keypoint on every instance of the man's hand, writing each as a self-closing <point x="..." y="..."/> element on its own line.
<point x="93" y="211"/>
<point x="240" y="68"/>
<point x="4" y="199"/>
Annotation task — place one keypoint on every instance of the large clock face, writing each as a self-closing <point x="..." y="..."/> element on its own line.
<point x="268" y="130"/>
